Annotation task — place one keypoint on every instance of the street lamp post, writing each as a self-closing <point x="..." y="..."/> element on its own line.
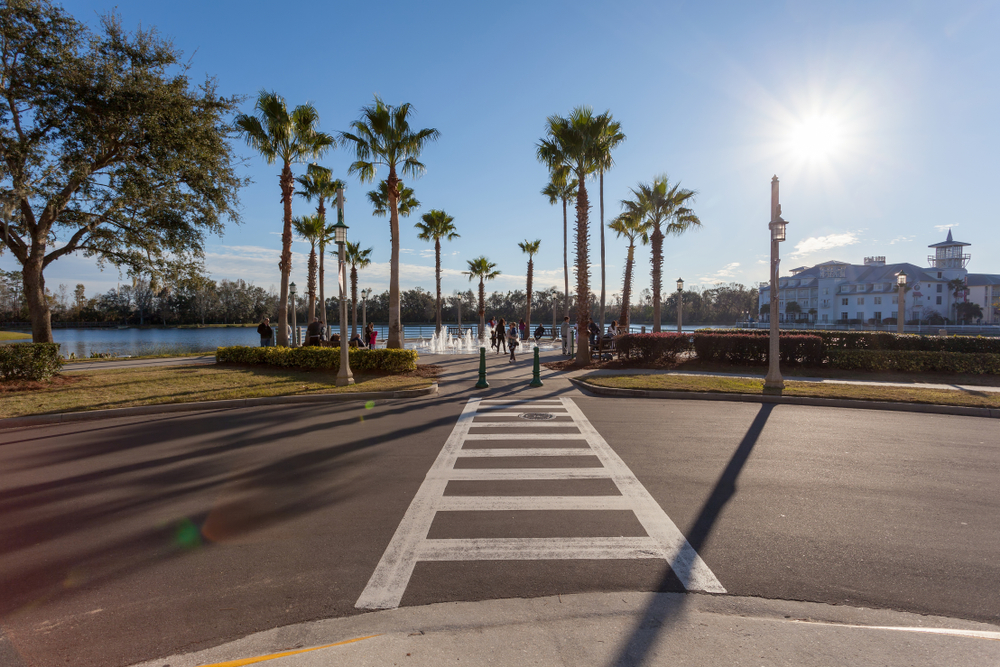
<point x="364" y="308"/>
<point x="295" y="328"/>
<point x="773" y="383"/>
<point x="680" y="304"/>
<point x="344" y="375"/>
<point x="901" y="311"/>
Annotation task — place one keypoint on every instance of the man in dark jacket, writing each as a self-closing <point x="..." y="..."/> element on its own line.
<point x="314" y="332"/>
<point x="266" y="333"/>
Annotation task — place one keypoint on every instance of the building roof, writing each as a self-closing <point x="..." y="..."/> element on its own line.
<point x="948" y="242"/>
<point x="981" y="279"/>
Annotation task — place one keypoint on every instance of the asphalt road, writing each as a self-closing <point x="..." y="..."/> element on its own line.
<point x="130" y="539"/>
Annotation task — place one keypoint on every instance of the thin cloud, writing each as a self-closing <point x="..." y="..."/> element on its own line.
<point x="820" y="243"/>
<point x="944" y="228"/>
<point x="727" y="272"/>
<point x="901" y="239"/>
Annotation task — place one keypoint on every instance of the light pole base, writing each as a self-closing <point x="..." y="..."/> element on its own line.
<point x="345" y="380"/>
<point x="773" y="388"/>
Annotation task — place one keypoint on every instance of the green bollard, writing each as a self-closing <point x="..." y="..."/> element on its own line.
<point x="536" y="378"/>
<point x="482" y="384"/>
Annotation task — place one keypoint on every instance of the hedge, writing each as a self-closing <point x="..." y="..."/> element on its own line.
<point x="29" y="361"/>
<point x="916" y="361"/>
<point x="751" y="349"/>
<point x="652" y="346"/>
<point x="884" y="340"/>
<point x="319" y="358"/>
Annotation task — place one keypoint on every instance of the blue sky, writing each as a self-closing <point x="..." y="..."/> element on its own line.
<point x="880" y="119"/>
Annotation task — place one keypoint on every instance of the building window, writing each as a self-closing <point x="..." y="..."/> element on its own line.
<point x="895" y="300"/>
<point x="939" y="299"/>
<point x="939" y="274"/>
<point x="895" y="315"/>
<point x="878" y="317"/>
<point x="878" y="300"/>
<point x="861" y="300"/>
<point x="824" y="318"/>
<point x="939" y="289"/>
<point x="826" y="290"/>
<point x="861" y="316"/>
<point x="843" y="302"/>
<point x="843" y="316"/>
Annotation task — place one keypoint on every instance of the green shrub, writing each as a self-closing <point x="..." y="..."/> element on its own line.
<point x="884" y="340"/>
<point x="319" y="358"/>
<point x="915" y="361"/>
<point x="652" y="347"/>
<point x="752" y="349"/>
<point x="29" y="361"/>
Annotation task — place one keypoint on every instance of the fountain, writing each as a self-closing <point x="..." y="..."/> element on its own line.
<point x="445" y="342"/>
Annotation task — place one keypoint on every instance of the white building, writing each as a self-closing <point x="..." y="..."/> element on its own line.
<point x="838" y="292"/>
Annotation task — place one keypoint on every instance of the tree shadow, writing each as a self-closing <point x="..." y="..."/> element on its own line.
<point x="664" y="611"/>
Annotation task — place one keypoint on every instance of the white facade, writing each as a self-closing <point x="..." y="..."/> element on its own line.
<point x="838" y="292"/>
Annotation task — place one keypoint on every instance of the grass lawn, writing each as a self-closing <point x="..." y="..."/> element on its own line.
<point x="14" y="335"/>
<point x="730" y="385"/>
<point x="164" y="355"/>
<point x="127" y="387"/>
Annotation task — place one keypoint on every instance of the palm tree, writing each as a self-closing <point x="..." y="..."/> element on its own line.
<point x="572" y="145"/>
<point x="311" y="228"/>
<point x="560" y="189"/>
<point x="379" y="200"/>
<point x="611" y="136"/>
<point x="632" y="227"/>
<point x="317" y="183"/>
<point x="437" y="225"/>
<point x="662" y="204"/>
<point x="382" y="136"/>
<point x="288" y="137"/>
<point x="483" y="269"/>
<point x="357" y="259"/>
<point x="530" y="247"/>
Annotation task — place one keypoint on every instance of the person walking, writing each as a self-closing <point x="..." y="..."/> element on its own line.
<point x="564" y="332"/>
<point x="266" y="333"/>
<point x="314" y="332"/>
<point x="370" y="335"/>
<point x="502" y="335"/>
<point x="522" y="329"/>
<point x="512" y="342"/>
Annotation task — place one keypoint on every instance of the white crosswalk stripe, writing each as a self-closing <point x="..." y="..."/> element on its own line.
<point x="410" y="543"/>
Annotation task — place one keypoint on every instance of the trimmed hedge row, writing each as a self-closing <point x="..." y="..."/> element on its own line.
<point x="652" y="346"/>
<point x="319" y="358"/>
<point x="29" y="361"/>
<point x="752" y="350"/>
<point x="916" y="361"/>
<point x="884" y="340"/>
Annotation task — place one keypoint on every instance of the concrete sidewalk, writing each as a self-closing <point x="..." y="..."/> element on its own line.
<point x="612" y="629"/>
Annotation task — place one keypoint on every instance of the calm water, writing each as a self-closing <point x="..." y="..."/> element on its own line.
<point x="138" y="342"/>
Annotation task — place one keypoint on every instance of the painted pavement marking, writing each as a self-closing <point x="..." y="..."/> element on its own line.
<point x="410" y="544"/>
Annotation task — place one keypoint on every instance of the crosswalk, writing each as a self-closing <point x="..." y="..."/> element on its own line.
<point x="504" y="430"/>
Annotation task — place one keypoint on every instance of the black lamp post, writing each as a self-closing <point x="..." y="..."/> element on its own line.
<point x="344" y="375"/>
<point x="364" y="308"/>
<point x="680" y="304"/>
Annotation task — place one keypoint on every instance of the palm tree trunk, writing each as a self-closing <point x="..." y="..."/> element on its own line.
<point x="437" y="274"/>
<point x="582" y="271"/>
<point x="531" y="270"/>
<point x="565" y="260"/>
<point x="287" y="186"/>
<point x="311" y="284"/>
<point x="602" y="252"/>
<point x="624" y="318"/>
<point x="321" y="210"/>
<point x="354" y="301"/>
<point x="657" y="242"/>
<point x="395" y="338"/>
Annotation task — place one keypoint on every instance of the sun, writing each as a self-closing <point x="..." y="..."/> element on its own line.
<point x="817" y="137"/>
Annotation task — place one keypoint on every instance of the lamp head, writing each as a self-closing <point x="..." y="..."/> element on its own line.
<point x="291" y="289"/>
<point x="778" y="229"/>
<point x="901" y="278"/>
<point x="680" y="285"/>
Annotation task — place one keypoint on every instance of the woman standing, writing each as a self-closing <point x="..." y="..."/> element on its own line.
<point x="512" y="340"/>
<point x="502" y="335"/>
<point x="370" y="335"/>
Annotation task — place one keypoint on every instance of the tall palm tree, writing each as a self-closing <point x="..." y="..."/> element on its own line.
<point x="382" y="136"/>
<point x="561" y="189"/>
<point x="611" y="136"/>
<point x="437" y="225"/>
<point x="572" y="145"/>
<point x="666" y="208"/>
<point x="289" y="138"/>
<point x="530" y="247"/>
<point x="318" y="183"/>
<point x="484" y="269"/>
<point x="311" y="228"/>
<point x="631" y="227"/>
<point x="379" y="200"/>
<point x="357" y="259"/>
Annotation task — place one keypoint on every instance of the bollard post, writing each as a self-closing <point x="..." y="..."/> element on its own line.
<point x="536" y="378"/>
<point x="572" y="342"/>
<point x="482" y="384"/>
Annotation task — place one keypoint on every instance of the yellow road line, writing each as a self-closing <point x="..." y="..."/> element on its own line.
<point x="274" y="656"/>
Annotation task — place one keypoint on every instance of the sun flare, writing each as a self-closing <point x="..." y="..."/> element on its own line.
<point x="816" y="138"/>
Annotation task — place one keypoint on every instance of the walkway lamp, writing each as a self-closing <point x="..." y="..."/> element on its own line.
<point x="364" y="308"/>
<point x="773" y="383"/>
<point x="901" y="312"/>
<point x="344" y="375"/>
<point x="680" y="303"/>
<point x="295" y="328"/>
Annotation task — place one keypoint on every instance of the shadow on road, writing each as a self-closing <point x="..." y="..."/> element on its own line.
<point x="664" y="611"/>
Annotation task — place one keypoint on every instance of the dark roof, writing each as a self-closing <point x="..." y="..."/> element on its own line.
<point x="980" y="279"/>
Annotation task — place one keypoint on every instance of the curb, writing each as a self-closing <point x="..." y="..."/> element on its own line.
<point x="232" y="404"/>
<point x="926" y="408"/>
